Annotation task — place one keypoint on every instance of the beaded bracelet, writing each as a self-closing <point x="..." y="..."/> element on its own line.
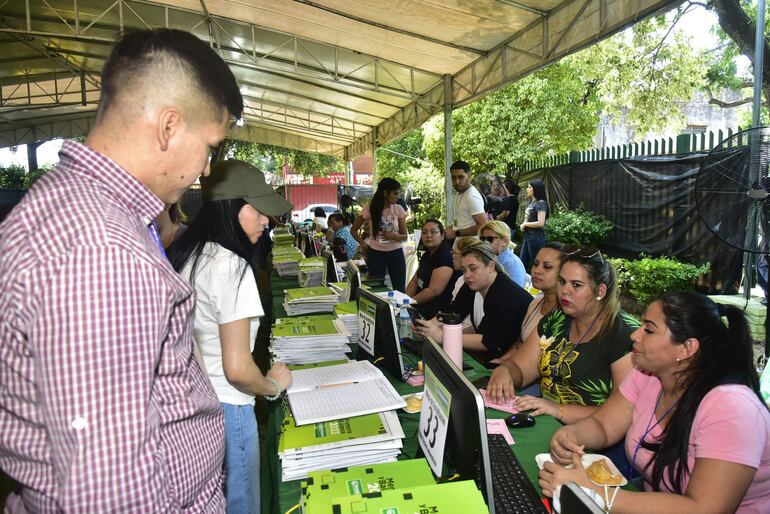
<point x="609" y="501"/>
<point x="277" y="389"/>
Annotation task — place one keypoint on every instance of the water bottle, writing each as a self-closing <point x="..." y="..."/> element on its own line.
<point x="392" y="300"/>
<point x="404" y="321"/>
<point x="452" y="337"/>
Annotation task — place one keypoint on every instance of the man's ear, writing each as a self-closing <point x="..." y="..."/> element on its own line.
<point x="169" y="125"/>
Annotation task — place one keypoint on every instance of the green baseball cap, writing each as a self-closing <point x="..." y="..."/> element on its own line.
<point x="237" y="179"/>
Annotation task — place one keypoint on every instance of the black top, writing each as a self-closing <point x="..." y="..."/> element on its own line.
<point x="505" y="307"/>
<point x="512" y="206"/>
<point x="428" y="263"/>
<point x="531" y="215"/>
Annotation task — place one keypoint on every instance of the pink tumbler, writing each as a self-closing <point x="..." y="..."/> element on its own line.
<point x="453" y="337"/>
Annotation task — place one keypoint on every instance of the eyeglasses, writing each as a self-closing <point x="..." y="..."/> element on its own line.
<point x="488" y="239"/>
<point x="586" y="253"/>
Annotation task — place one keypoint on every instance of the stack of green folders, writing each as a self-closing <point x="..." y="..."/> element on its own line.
<point x="282" y="237"/>
<point x="308" y="339"/>
<point x="368" y="439"/>
<point x="347" y="313"/>
<point x="308" y="300"/>
<point x="286" y="260"/>
<point x="311" y="271"/>
<point x="405" y="486"/>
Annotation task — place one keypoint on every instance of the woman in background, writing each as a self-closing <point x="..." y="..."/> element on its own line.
<point x="213" y="255"/>
<point x="498" y="235"/>
<point x="431" y="287"/>
<point x="533" y="226"/>
<point x="386" y="221"/>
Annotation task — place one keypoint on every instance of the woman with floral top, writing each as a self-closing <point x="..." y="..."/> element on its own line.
<point x="579" y="352"/>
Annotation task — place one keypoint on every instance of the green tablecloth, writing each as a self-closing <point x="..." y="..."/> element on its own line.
<point x="278" y="497"/>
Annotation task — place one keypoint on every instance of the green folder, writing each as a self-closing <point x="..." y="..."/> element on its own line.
<point x="305" y="326"/>
<point x="322" y="487"/>
<point x="346" y="308"/>
<point x="447" y="498"/>
<point x="369" y="428"/>
<point x="303" y="293"/>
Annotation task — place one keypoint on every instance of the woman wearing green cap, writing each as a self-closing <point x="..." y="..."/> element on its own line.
<point x="213" y="255"/>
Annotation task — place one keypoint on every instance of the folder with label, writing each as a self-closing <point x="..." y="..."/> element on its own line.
<point x="447" y="498"/>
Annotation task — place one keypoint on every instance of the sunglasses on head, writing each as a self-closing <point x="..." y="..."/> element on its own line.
<point x="586" y="253"/>
<point x="488" y="239"/>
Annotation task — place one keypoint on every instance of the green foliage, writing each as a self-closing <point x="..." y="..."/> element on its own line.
<point x="398" y="158"/>
<point x="644" y="76"/>
<point x="13" y="177"/>
<point x="33" y="175"/>
<point x="550" y="111"/>
<point x="578" y="227"/>
<point x="272" y="158"/>
<point x="648" y="277"/>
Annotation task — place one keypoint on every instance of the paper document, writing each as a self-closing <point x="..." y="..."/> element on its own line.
<point x="340" y="391"/>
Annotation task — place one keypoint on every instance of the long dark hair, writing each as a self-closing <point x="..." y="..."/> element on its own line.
<point x="538" y="189"/>
<point x="724" y="356"/>
<point x="217" y="222"/>
<point x="377" y="204"/>
<point x="600" y="271"/>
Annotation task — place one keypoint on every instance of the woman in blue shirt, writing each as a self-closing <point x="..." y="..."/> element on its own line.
<point x="498" y="235"/>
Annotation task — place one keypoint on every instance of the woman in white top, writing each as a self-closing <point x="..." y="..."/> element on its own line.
<point x="387" y="230"/>
<point x="214" y="256"/>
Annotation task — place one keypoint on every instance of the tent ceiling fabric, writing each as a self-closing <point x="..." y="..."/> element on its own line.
<point x="326" y="76"/>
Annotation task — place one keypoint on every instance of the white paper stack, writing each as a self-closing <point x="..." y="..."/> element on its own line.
<point x="286" y="260"/>
<point x="360" y="440"/>
<point x="309" y="339"/>
<point x="307" y="300"/>
<point x="347" y="313"/>
<point x="311" y="271"/>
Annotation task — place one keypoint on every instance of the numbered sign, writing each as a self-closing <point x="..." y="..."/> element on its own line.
<point x="434" y="421"/>
<point x="367" y="312"/>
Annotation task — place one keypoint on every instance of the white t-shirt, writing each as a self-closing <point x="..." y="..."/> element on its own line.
<point x="222" y="297"/>
<point x="466" y="204"/>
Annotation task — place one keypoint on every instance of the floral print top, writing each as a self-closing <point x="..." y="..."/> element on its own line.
<point x="580" y="374"/>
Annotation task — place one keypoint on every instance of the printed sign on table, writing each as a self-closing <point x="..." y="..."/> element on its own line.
<point x="434" y="421"/>
<point x="367" y="312"/>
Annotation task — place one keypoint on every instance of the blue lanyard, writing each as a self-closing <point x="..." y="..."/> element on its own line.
<point x="152" y="228"/>
<point x="650" y="429"/>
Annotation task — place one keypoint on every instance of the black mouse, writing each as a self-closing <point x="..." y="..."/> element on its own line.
<point x="520" y="420"/>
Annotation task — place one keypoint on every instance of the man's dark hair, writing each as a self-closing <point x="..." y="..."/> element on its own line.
<point x="338" y="217"/>
<point x="461" y="165"/>
<point x="140" y="49"/>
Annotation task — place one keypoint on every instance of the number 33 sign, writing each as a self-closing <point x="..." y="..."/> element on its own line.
<point x="434" y="419"/>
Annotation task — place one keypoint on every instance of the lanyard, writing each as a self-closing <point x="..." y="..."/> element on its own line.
<point x="152" y="228"/>
<point x="650" y="428"/>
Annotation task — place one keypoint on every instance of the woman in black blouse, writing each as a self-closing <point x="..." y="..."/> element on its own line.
<point x="505" y="305"/>
<point x="431" y="286"/>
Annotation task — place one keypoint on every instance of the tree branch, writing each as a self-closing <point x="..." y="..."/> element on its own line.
<point x="726" y="105"/>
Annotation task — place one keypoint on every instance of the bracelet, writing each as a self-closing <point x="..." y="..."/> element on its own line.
<point x="609" y="501"/>
<point x="277" y="389"/>
<point x="561" y="412"/>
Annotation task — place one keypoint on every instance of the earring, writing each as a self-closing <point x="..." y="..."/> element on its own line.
<point x="598" y="298"/>
<point x="678" y="360"/>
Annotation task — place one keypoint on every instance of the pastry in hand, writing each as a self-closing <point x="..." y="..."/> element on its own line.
<point x="601" y="473"/>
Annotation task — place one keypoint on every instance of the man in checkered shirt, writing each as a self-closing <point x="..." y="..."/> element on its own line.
<point x="103" y="406"/>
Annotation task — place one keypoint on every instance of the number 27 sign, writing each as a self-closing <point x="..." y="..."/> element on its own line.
<point x="434" y="421"/>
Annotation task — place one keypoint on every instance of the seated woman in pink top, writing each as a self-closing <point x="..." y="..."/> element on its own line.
<point x="694" y="423"/>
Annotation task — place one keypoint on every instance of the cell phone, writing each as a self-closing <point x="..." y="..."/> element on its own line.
<point x="414" y="314"/>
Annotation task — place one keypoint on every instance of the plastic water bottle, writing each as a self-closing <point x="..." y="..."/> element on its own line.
<point x="404" y="321"/>
<point x="392" y="300"/>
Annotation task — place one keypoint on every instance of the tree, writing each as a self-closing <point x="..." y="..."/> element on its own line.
<point x="13" y="177"/>
<point x="271" y="158"/>
<point x="551" y="111"/>
<point x="737" y="19"/>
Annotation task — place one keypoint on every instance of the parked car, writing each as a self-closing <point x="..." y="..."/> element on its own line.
<point x="307" y="212"/>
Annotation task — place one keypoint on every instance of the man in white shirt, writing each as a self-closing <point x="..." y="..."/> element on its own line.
<point x="468" y="204"/>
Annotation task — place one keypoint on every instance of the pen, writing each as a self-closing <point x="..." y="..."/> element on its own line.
<point x="325" y="386"/>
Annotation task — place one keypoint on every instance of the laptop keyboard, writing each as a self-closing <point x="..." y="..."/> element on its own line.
<point x="513" y="491"/>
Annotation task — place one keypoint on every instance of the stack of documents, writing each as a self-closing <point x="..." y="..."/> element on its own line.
<point x="286" y="260"/>
<point x="307" y="300"/>
<point x="309" y="339"/>
<point x="311" y="271"/>
<point x="447" y="498"/>
<point x="347" y="313"/>
<point x="282" y="237"/>
<point x="340" y="391"/>
<point x="370" y="439"/>
<point x="321" y="488"/>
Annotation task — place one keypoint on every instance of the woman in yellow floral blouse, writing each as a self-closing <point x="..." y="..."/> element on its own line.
<point x="579" y="352"/>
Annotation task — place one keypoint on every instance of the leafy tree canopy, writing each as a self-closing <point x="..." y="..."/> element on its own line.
<point x="271" y="158"/>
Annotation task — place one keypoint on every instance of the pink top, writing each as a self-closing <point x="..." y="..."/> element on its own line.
<point x="731" y="424"/>
<point x="388" y="223"/>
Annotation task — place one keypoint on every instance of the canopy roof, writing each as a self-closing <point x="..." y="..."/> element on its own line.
<point x="328" y="76"/>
